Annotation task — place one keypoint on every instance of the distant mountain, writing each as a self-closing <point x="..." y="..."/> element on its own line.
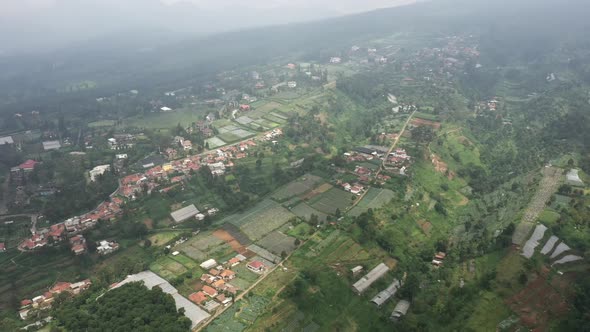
<point x="62" y="22"/>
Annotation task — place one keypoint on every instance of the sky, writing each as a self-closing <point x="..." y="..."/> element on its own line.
<point x="44" y="25"/>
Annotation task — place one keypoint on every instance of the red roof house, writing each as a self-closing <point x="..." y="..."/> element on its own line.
<point x="198" y="297"/>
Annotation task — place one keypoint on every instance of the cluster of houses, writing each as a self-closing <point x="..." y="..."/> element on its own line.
<point x="489" y="105"/>
<point x="71" y="228"/>
<point x="383" y="296"/>
<point x="217" y="290"/>
<point x="121" y="141"/>
<point x="45" y="300"/>
<point x="398" y="161"/>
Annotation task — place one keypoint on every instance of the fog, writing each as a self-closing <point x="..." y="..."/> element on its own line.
<point x="44" y="25"/>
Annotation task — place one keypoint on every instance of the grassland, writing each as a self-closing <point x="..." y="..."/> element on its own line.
<point x="373" y="199"/>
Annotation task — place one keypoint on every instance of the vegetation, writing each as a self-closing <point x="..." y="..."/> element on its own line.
<point x="130" y="307"/>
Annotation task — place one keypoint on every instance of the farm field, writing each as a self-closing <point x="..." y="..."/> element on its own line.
<point x="297" y="187"/>
<point x="13" y="233"/>
<point x="162" y="238"/>
<point x="374" y="199"/>
<point x="101" y="123"/>
<point x="303" y="210"/>
<point x="260" y="220"/>
<point x="168" y="268"/>
<point x="277" y="243"/>
<point x="215" y="142"/>
<point x="332" y="200"/>
<point x="164" y="120"/>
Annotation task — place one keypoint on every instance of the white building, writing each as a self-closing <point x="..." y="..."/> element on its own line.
<point x="98" y="171"/>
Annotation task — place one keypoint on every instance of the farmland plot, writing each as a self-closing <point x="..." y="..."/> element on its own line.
<point x="305" y="211"/>
<point x="215" y="142"/>
<point x="297" y="187"/>
<point x="260" y="220"/>
<point x="374" y="199"/>
<point x="277" y="242"/>
<point x="332" y="200"/>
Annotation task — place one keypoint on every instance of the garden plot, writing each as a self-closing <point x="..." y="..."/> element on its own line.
<point x="263" y="253"/>
<point x="297" y="187"/>
<point x="278" y="243"/>
<point x="273" y="118"/>
<point x="332" y="200"/>
<point x="199" y="247"/>
<point x="215" y="142"/>
<point x="529" y="248"/>
<point x="374" y="199"/>
<point x="227" y="129"/>
<point x="262" y="219"/>
<point x="303" y="210"/>
<point x="167" y="268"/>
<point x="244" y="120"/>
<point x="279" y="115"/>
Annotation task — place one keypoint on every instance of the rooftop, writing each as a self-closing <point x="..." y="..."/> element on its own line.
<point x="184" y="213"/>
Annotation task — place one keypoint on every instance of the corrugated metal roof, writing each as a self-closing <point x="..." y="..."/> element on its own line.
<point x="184" y="213"/>
<point x="387" y="293"/>
<point x="366" y="281"/>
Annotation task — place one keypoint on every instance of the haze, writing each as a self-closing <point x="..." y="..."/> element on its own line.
<point x="41" y="25"/>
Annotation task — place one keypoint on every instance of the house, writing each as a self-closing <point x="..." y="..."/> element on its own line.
<point x="440" y="255"/>
<point x="233" y="262"/>
<point x="78" y="243"/>
<point x="2" y="247"/>
<point x="78" y="287"/>
<point x="400" y="310"/>
<point x="184" y="214"/>
<point x="165" y="109"/>
<point x="217" y="168"/>
<point x="198" y="297"/>
<point x="256" y="266"/>
<point x="98" y="171"/>
<point x="356" y="190"/>
<point x="187" y="145"/>
<point x="356" y="270"/>
<point x="28" y="165"/>
<point x="25" y="303"/>
<point x="292" y="84"/>
<point x="228" y="274"/>
<point x="221" y="298"/>
<point x="210" y="291"/>
<point x="214" y="272"/>
<point x="335" y="60"/>
<point x="51" y="145"/>
<point x="375" y="274"/>
<point x="106" y="247"/>
<point x="210" y="263"/>
<point x="346" y="186"/>
<point x="6" y="140"/>
<point x="244" y="107"/>
<point x="218" y="284"/>
<point x="211" y="117"/>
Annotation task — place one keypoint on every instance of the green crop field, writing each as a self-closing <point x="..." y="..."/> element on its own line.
<point x="374" y="199"/>
<point x="332" y="200"/>
<point x="165" y="119"/>
<point x="297" y="187"/>
<point x="101" y="123"/>
<point x="303" y="210"/>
